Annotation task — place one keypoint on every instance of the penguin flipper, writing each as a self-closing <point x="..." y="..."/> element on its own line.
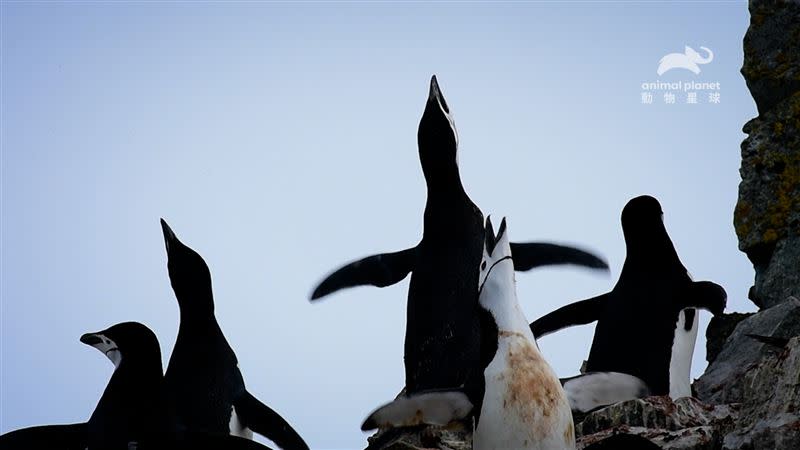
<point x="597" y="389"/>
<point x="380" y="270"/>
<point x="434" y="407"/>
<point x="578" y="313"/>
<point x="263" y="420"/>
<point x="706" y="295"/>
<point x="529" y="255"/>
<point x="70" y="437"/>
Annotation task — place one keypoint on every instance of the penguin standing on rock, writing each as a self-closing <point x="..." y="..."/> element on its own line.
<point x="203" y="380"/>
<point x="519" y="402"/>
<point x="442" y="332"/>
<point x="132" y="412"/>
<point x="646" y="325"/>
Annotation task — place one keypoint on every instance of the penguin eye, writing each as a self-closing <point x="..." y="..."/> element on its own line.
<point x="483" y="265"/>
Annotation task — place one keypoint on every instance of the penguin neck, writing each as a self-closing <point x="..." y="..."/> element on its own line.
<point x="136" y="379"/>
<point x="445" y="182"/>
<point x="652" y="253"/>
<point x="499" y="297"/>
<point x="197" y="308"/>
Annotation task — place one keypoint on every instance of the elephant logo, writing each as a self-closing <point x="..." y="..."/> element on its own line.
<point x="688" y="60"/>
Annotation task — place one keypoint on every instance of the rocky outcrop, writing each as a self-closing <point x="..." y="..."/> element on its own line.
<point x="682" y="424"/>
<point x="767" y="215"/>
<point x="724" y="380"/>
<point x="770" y="413"/>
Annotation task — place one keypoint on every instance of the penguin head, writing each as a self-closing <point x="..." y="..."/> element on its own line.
<point x="497" y="267"/>
<point x="188" y="274"/>
<point x="127" y="340"/>
<point x="644" y="231"/>
<point x="437" y="138"/>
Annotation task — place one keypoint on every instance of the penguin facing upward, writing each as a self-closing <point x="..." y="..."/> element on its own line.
<point x="637" y="322"/>
<point x="203" y="382"/>
<point x="442" y="324"/>
<point x="518" y="403"/>
<point x="524" y="405"/>
<point x="132" y="412"/>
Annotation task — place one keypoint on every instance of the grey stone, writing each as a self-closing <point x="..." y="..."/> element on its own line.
<point x="770" y="414"/>
<point x="718" y="331"/>
<point x="771" y="51"/>
<point x="724" y="380"/>
<point x="683" y="424"/>
<point x="767" y="215"/>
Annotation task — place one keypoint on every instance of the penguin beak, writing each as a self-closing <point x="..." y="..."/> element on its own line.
<point x="91" y="339"/>
<point x="491" y="239"/>
<point x="170" y="240"/>
<point x="435" y="95"/>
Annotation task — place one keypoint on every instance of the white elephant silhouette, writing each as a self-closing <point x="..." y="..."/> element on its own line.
<point x="688" y="60"/>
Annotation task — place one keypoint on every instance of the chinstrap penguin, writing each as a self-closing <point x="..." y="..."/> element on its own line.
<point x="203" y="381"/>
<point x="442" y="324"/>
<point x="132" y="412"/>
<point x="647" y="324"/>
<point x="519" y="403"/>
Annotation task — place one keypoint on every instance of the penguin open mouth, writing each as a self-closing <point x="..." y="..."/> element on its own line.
<point x="436" y="93"/>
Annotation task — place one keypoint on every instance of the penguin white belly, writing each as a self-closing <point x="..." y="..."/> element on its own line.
<point x="680" y="363"/>
<point x="524" y="406"/>
<point x="237" y="428"/>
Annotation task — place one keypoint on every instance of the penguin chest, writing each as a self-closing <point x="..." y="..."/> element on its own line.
<point x="524" y="406"/>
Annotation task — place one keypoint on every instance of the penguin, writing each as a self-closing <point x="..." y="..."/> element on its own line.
<point x="442" y="328"/>
<point x="132" y="412"/>
<point x="647" y="324"/>
<point x="203" y="381"/>
<point x="519" y="402"/>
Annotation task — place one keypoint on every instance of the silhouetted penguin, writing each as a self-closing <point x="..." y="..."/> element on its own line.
<point x="132" y="412"/>
<point x="442" y="331"/>
<point x="203" y="380"/>
<point x="644" y="323"/>
<point x="519" y="403"/>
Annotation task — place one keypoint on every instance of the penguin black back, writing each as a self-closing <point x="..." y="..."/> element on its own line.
<point x="203" y="381"/>
<point x="443" y="332"/>
<point x="442" y="320"/>
<point x="636" y="321"/>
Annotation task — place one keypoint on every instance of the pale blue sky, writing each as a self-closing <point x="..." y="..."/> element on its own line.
<point x="279" y="141"/>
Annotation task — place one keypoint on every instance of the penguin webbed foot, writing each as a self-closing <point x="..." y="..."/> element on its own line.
<point x="380" y="270"/>
<point x="529" y="255"/>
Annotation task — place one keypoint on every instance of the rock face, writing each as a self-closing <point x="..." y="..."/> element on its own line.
<point x="770" y="413"/>
<point x="683" y="424"/>
<point x="724" y="380"/>
<point x="767" y="215"/>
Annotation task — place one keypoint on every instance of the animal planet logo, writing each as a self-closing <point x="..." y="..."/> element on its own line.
<point x="682" y="91"/>
<point x="690" y="60"/>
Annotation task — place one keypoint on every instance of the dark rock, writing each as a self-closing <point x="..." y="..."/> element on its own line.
<point x="767" y="215"/>
<point x="718" y="331"/>
<point x="682" y="424"/>
<point x="770" y="414"/>
<point x="772" y="51"/>
<point x="724" y="380"/>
